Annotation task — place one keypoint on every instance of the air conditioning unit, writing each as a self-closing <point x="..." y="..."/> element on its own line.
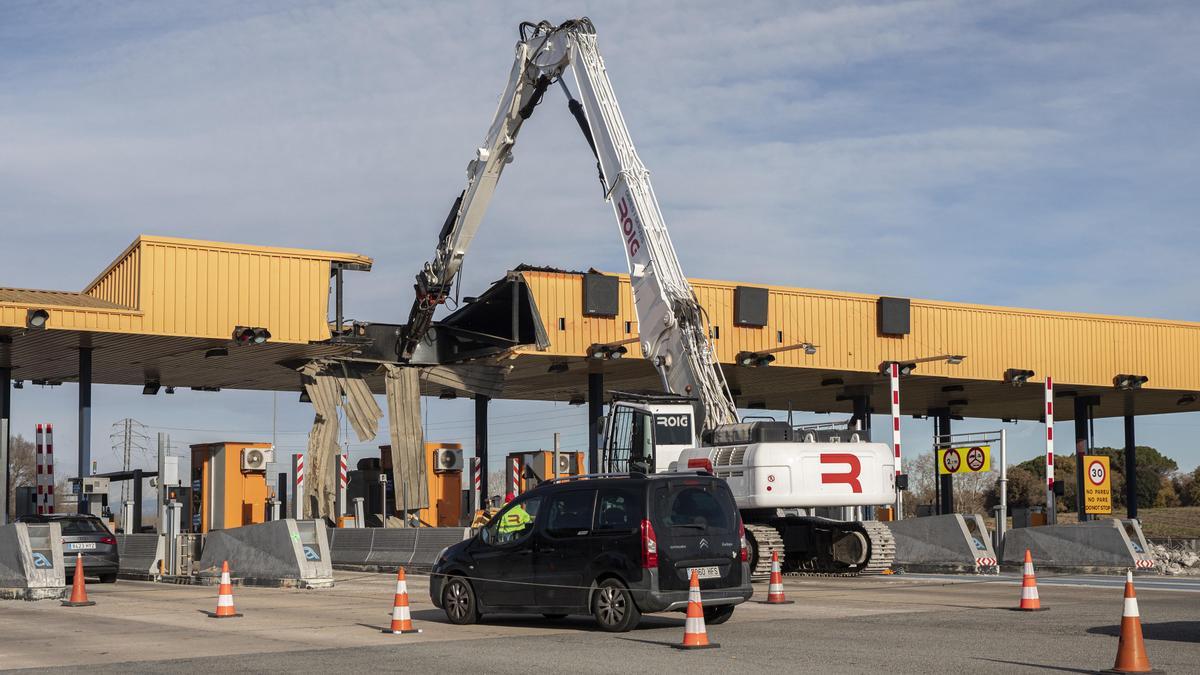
<point x="255" y="460"/>
<point x="567" y="464"/>
<point x="446" y="460"/>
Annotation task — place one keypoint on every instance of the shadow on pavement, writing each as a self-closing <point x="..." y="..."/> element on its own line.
<point x="579" y="622"/>
<point x="1171" y="631"/>
<point x="1059" y="669"/>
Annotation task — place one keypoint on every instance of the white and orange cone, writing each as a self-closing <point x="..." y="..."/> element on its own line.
<point x="1131" y="650"/>
<point x="695" y="635"/>
<point x="225" y="609"/>
<point x="401" y="618"/>
<point x="78" y="587"/>
<point x="1030" y="601"/>
<point x="775" y="595"/>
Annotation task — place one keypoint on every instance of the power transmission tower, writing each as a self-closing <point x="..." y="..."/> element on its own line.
<point x="128" y="437"/>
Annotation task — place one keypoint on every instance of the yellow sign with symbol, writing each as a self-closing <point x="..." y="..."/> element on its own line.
<point x="1097" y="485"/>
<point x="972" y="459"/>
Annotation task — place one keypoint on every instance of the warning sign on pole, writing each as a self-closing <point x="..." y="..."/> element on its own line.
<point x="973" y="459"/>
<point x="1097" y="489"/>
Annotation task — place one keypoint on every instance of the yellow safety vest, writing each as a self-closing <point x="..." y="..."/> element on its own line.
<point x="515" y="520"/>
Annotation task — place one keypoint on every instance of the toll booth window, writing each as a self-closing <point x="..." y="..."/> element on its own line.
<point x="617" y="511"/>
<point x="694" y="507"/>
<point x="570" y="514"/>
<point x="512" y="524"/>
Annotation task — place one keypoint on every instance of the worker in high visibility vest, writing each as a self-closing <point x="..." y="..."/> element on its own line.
<point x="515" y="520"/>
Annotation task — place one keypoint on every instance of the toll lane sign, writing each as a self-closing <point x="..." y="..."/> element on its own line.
<point x="1097" y="485"/>
<point x="973" y="459"/>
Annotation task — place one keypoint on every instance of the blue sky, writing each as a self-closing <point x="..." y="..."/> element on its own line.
<point x="1015" y="153"/>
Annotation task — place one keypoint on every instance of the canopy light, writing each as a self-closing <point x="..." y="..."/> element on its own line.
<point x="206" y="389"/>
<point x="448" y="395"/>
<point x="20" y="384"/>
<point x="557" y="368"/>
<point x="755" y="359"/>
<point x="304" y="396"/>
<point x="245" y="335"/>
<point x="1129" y="382"/>
<point x="170" y="390"/>
<point x="216" y="352"/>
<point x="1186" y="399"/>
<point x="150" y="388"/>
<point x="35" y="319"/>
<point x="607" y="352"/>
<point x="906" y="369"/>
<point x="833" y="382"/>
<point x="576" y="400"/>
<point x="1017" y="377"/>
<point x="955" y="359"/>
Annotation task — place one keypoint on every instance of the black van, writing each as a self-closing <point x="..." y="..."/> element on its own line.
<point x="614" y="546"/>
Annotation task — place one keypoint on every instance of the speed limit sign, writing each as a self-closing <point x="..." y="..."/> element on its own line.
<point x="1097" y="472"/>
<point x="1097" y="489"/>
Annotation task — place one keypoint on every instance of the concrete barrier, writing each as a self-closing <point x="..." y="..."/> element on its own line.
<point x="950" y="543"/>
<point x="31" y="562"/>
<point x="281" y="553"/>
<point x="1097" y="546"/>
<point x="377" y="549"/>
<point x="140" y="555"/>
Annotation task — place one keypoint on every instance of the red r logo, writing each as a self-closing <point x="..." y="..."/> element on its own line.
<point x="850" y="477"/>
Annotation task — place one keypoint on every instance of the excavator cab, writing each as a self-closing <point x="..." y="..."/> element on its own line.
<point x="644" y="433"/>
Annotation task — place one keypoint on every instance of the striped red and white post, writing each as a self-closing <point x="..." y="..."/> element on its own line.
<point x="476" y="484"/>
<point x="516" y="477"/>
<point x="39" y="500"/>
<point x="298" y="486"/>
<point x="49" y="468"/>
<point x="1050" y="506"/>
<point x="894" y="377"/>
<point x="343" y="481"/>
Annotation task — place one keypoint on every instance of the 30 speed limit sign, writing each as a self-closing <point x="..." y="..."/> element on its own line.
<point x="1097" y="489"/>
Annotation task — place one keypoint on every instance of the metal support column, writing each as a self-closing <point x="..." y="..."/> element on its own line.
<point x="1130" y="469"/>
<point x="137" y="499"/>
<point x="6" y="420"/>
<point x="862" y="411"/>
<point x="481" y="443"/>
<point x="595" y="420"/>
<point x="1081" y="448"/>
<point x="281" y="492"/>
<point x="85" y="420"/>
<point x="338" y="300"/>
<point x="945" y="481"/>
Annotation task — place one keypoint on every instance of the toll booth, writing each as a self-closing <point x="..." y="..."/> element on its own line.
<point x="443" y="478"/>
<point x="31" y="561"/>
<point x="95" y="488"/>
<point x="229" y="485"/>
<point x="526" y="470"/>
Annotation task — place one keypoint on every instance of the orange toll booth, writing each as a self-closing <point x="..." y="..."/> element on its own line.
<point x="443" y="475"/>
<point x="229" y="484"/>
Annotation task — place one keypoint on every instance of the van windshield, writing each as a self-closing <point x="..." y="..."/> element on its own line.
<point x="703" y="507"/>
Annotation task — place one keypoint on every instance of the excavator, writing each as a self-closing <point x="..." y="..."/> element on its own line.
<point x="785" y="482"/>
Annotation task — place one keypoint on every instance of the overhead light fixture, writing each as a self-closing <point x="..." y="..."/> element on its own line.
<point x="1129" y="382"/>
<point x="809" y="348"/>
<point x="206" y="389"/>
<point x="952" y="387"/>
<point x="246" y="335"/>
<point x="609" y="352"/>
<point x="755" y="359"/>
<point x="576" y="400"/>
<point x="150" y="388"/>
<point x="1186" y="399"/>
<point x="304" y="398"/>
<point x="35" y="319"/>
<point x="958" y="402"/>
<point x="833" y="382"/>
<point x="557" y="368"/>
<point x="20" y="384"/>
<point x="215" y="352"/>
<point x="1008" y="420"/>
<point x="906" y="369"/>
<point x="448" y="395"/>
<point x="169" y="390"/>
<point x="955" y="359"/>
<point x="1017" y="377"/>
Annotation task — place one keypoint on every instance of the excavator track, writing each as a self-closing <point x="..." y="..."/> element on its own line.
<point x="871" y="539"/>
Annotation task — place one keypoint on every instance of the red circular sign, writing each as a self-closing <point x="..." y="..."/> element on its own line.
<point x="975" y="458"/>
<point x="1096" y="472"/>
<point x="951" y="460"/>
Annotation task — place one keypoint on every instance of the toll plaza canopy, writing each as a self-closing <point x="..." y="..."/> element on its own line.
<point x="166" y="310"/>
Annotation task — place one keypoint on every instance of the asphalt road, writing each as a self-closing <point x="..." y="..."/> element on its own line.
<point x="913" y="623"/>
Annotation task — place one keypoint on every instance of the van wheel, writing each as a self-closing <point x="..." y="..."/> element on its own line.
<point x="613" y="607"/>
<point x="458" y="599"/>
<point x="108" y="578"/>
<point x="715" y="616"/>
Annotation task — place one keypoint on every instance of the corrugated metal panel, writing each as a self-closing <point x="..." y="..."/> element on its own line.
<point x="120" y="283"/>
<point x="1076" y="348"/>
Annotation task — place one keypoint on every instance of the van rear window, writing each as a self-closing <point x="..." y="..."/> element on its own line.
<point x="700" y="507"/>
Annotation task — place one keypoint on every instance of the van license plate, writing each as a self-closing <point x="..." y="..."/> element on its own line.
<point x="705" y="572"/>
<point x="87" y="546"/>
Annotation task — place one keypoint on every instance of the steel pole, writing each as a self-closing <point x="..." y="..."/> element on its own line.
<point x="481" y="442"/>
<point x="1131" y="505"/>
<point x="894" y="379"/>
<point x="595" y="420"/>
<point x="6" y="419"/>
<point x="85" y="421"/>
<point x="1051" y="507"/>
<point x="1002" y="517"/>
<point x="1081" y="446"/>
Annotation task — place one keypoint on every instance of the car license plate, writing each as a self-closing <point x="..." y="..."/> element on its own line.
<point x="705" y="572"/>
<point x="82" y="546"/>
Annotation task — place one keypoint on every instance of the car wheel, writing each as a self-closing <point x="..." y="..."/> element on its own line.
<point x="108" y="578"/>
<point x="613" y="607"/>
<point x="458" y="599"/>
<point x="714" y="616"/>
<point x="554" y="617"/>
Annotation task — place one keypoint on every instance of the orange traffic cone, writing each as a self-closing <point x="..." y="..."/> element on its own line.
<point x="401" y="619"/>
<point x="1030" y="602"/>
<point x="695" y="636"/>
<point x="1131" y="650"/>
<point x="225" y="608"/>
<point x="78" y="588"/>
<point x="775" y="594"/>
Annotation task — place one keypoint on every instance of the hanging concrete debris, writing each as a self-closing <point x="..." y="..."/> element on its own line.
<point x="329" y="385"/>
<point x="408" y="439"/>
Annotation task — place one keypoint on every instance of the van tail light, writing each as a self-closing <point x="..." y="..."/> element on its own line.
<point x="108" y="539"/>
<point x="649" y="546"/>
<point x="745" y="544"/>
<point x="702" y="463"/>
